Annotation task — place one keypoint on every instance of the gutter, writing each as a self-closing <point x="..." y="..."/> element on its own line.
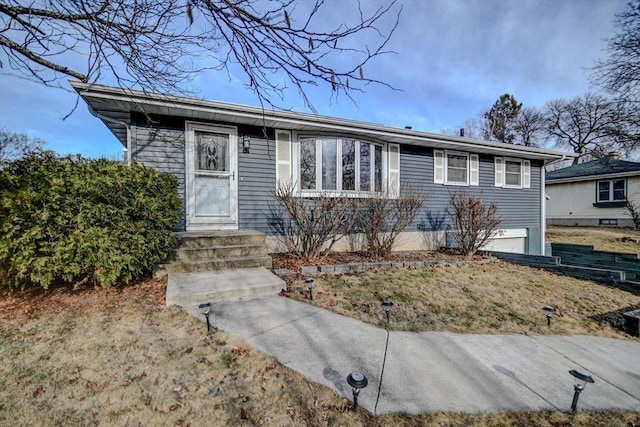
<point x="131" y="98"/>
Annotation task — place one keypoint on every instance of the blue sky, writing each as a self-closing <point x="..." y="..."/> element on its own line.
<point x="453" y="58"/>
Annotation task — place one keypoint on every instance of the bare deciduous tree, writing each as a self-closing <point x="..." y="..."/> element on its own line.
<point x="592" y="125"/>
<point x="475" y="221"/>
<point x="529" y="127"/>
<point x="161" y="45"/>
<point x="620" y="71"/>
<point x="16" y="145"/>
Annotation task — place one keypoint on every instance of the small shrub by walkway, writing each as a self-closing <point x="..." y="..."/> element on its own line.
<point x="491" y="298"/>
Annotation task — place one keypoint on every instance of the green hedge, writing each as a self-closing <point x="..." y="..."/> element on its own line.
<point x="70" y="219"/>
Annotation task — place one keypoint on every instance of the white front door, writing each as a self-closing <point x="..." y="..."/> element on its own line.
<point x="212" y="187"/>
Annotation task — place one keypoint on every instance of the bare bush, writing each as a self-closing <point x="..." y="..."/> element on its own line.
<point x="382" y="218"/>
<point x="308" y="227"/>
<point x="475" y="221"/>
<point x="633" y="210"/>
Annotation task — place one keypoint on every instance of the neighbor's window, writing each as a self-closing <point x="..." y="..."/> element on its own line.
<point x="612" y="190"/>
<point x="344" y="164"/>
<point x="513" y="173"/>
<point x="457" y="168"/>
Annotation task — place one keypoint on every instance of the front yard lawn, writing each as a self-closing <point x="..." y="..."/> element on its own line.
<point x="602" y="238"/>
<point x="120" y="357"/>
<point x="492" y="298"/>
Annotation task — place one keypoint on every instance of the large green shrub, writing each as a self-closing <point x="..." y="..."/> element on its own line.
<point x="70" y="219"/>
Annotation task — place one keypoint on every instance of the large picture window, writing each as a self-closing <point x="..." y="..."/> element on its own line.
<point x="614" y="190"/>
<point x="342" y="164"/>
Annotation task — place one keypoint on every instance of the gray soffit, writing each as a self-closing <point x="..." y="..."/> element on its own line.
<point x="113" y="106"/>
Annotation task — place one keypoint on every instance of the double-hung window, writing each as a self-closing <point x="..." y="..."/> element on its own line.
<point x="614" y="190"/>
<point x="512" y="173"/>
<point x="455" y="168"/>
<point x="345" y="165"/>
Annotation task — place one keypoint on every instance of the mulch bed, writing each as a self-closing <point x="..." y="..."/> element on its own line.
<point x="283" y="260"/>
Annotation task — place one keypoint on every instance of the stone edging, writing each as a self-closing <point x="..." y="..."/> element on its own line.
<point x="312" y="270"/>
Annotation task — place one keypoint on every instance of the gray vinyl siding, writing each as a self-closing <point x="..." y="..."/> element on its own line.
<point x="163" y="149"/>
<point x="257" y="181"/>
<point x="518" y="208"/>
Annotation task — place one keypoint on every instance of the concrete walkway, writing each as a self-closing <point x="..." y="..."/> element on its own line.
<point x="436" y="371"/>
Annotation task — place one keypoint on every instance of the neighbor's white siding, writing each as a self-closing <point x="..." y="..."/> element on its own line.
<point x="574" y="201"/>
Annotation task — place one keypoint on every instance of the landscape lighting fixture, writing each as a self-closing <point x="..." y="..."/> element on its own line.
<point x="246" y="143"/>
<point x="583" y="380"/>
<point x="387" y="305"/>
<point x="309" y="282"/>
<point x="357" y="381"/>
<point x="206" y="305"/>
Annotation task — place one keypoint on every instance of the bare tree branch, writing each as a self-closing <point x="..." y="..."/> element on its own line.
<point x="592" y="125"/>
<point x="162" y="45"/>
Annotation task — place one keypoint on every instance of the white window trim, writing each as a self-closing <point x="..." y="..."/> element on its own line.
<point x="446" y="168"/>
<point x="357" y="193"/>
<point x="504" y="175"/>
<point x="500" y="172"/>
<point x="611" y="199"/>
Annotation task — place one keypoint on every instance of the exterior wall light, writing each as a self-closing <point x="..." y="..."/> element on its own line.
<point x="246" y="143"/>
<point x="357" y="381"/>
<point x="206" y="305"/>
<point x="583" y="380"/>
<point x="309" y="282"/>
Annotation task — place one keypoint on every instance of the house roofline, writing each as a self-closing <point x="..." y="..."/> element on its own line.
<point x="551" y="181"/>
<point x="110" y="101"/>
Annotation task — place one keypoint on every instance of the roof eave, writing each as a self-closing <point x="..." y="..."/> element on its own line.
<point x="552" y="181"/>
<point x="135" y="101"/>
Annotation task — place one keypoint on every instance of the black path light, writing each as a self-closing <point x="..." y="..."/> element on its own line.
<point x="357" y="381"/>
<point x="583" y="380"/>
<point x="550" y="312"/>
<point x="309" y="282"/>
<point x="387" y="305"/>
<point x="206" y="305"/>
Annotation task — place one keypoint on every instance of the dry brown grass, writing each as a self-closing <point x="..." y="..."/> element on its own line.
<point x="604" y="239"/>
<point x="119" y="357"/>
<point x="491" y="298"/>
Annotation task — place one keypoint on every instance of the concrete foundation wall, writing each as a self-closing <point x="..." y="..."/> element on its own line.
<point x="588" y="222"/>
<point x="511" y="241"/>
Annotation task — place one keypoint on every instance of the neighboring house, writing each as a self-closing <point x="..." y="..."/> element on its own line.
<point x="593" y="193"/>
<point x="228" y="159"/>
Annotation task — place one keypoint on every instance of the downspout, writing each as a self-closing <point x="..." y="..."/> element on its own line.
<point x="128" y="148"/>
<point x="543" y="197"/>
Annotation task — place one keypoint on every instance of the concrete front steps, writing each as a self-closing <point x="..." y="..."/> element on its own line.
<point x="217" y="250"/>
<point x="188" y="290"/>
<point x="219" y="265"/>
